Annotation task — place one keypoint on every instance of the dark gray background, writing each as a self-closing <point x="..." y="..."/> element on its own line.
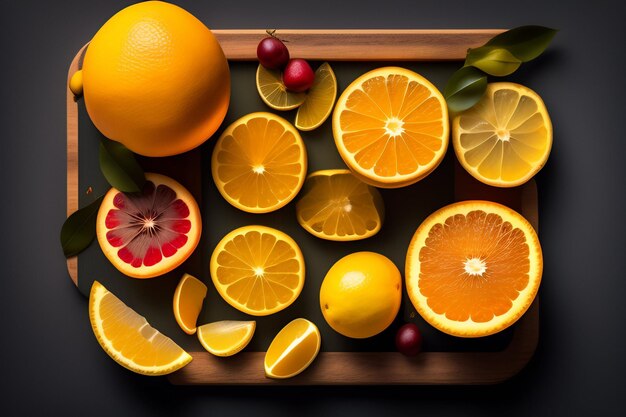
<point x="51" y="366"/>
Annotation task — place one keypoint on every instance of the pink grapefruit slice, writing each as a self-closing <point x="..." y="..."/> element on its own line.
<point x="148" y="234"/>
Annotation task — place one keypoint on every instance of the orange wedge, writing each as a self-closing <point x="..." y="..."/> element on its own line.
<point x="473" y="268"/>
<point x="319" y="101"/>
<point x="258" y="270"/>
<point x="335" y="205"/>
<point x="226" y="337"/>
<point x="293" y="349"/>
<point x="391" y="127"/>
<point x="128" y="338"/>
<point x="506" y="137"/>
<point x="188" y="297"/>
<point x="269" y="84"/>
<point x="259" y="163"/>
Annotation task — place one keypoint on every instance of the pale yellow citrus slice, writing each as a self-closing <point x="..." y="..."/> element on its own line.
<point x="335" y="205"/>
<point x="227" y="337"/>
<point x="188" y="297"/>
<point x="258" y="270"/>
<point x="391" y="127"/>
<point x="259" y="163"/>
<point x="129" y="339"/>
<point x="506" y="137"/>
<point x="293" y="349"/>
<point x="269" y="84"/>
<point x="319" y="101"/>
<point x="473" y="268"/>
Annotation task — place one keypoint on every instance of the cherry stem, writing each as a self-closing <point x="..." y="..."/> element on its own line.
<point x="272" y="33"/>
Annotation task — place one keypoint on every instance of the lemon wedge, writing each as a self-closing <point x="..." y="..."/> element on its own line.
<point x="227" y="337"/>
<point x="293" y="349"/>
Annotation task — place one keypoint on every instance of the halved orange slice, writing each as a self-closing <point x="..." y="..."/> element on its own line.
<point x="335" y="205"/>
<point x="319" y="101"/>
<point x="258" y="270"/>
<point x="269" y="84"/>
<point x="259" y="163"/>
<point x="226" y="337"/>
<point x="391" y="127"/>
<point x="188" y="297"/>
<point x="473" y="268"/>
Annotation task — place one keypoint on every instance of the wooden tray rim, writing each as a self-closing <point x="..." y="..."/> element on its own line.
<point x="348" y="368"/>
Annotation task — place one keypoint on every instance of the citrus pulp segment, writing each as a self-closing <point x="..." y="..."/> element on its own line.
<point x="335" y="205"/>
<point x="129" y="339"/>
<point x="259" y="163"/>
<point x="269" y="84"/>
<point x="258" y="270"/>
<point x="227" y="337"/>
<point x="391" y="127"/>
<point x="506" y="137"/>
<point x="293" y="349"/>
<point x="319" y="101"/>
<point x="473" y="268"/>
<point x="147" y="234"/>
<point x="188" y="297"/>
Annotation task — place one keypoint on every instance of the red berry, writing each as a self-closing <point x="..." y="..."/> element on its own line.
<point x="409" y="340"/>
<point x="298" y="75"/>
<point x="272" y="53"/>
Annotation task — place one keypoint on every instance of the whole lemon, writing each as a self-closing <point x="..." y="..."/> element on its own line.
<point x="361" y="294"/>
<point x="156" y="79"/>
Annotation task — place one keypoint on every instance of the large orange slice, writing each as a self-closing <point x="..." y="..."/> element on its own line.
<point x="391" y="127"/>
<point x="473" y="268"/>
<point x="258" y="270"/>
<point x="147" y="234"/>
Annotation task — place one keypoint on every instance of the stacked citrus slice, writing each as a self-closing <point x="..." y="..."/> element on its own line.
<point x="391" y="127"/>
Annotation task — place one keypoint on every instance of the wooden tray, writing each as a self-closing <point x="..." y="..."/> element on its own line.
<point x="359" y="368"/>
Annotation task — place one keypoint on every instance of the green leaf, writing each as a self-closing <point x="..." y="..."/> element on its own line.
<point x="79" y="229"/>
<point x="465" y="88"/>
<point x="493" y="60"/>
<point x="120" y="168"/>
<point x="525" y="42"/>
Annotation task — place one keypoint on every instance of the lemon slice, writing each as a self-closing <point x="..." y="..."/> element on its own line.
<point x="335" y="205"/>
<point x="227" y="337"/>
<point x="293" y="349"/>
<point x="188" y="297"/>
<point x="129" y="339"/>
<point x="319" y="101"/>
<point x="269" y="84"/>
<point x="506" y="137"/>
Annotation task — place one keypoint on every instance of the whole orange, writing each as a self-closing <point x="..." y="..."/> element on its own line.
<point x="156" y="79"/>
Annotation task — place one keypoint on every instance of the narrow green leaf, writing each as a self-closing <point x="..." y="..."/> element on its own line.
<point x="524" y="42"/>
<point x="465" y="88"/>
<point x="79" y="229"/>
<point x="120" y="168"/>
<point x="493" y="60"/>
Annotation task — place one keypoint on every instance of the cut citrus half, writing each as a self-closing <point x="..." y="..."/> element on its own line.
<point x="258" y="270"/>
<point x="319" y="101"/>
<point x="293" y="349"/>
<point x="473" y="268"/>
<point x="147" y="234"/>
<point x="269" y="84"/>
<point x="188" y="297"/>
<point x="391" y="127"/>
<point x="506" y="137"/>
<point x="129" y="339"/>
<point x="259" y="163"/>
<point x="335" y="205"/>
<point x="227" y="337"/>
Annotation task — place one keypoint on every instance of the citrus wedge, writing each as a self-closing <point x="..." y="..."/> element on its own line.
<point x="391" y="127"/>
<point x="319" y="101"/>
<point x="335" y="205"/>
<point x="258" y="270"/>
<point x="269" y="84"/>
<point x="259" y="163"/>
<point x="227" y="337"/>
<point x="129" y="339"/>
<point x="506" y="137"/>
<point x="188" y="297"/>
<point x="473" y="268"/>
<point x="293" y="349"/>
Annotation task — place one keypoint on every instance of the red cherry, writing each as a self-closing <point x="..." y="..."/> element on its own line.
<point x="272" y="53"/>
<point x="409" y="340"/>
<point x="298" y="75"/>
